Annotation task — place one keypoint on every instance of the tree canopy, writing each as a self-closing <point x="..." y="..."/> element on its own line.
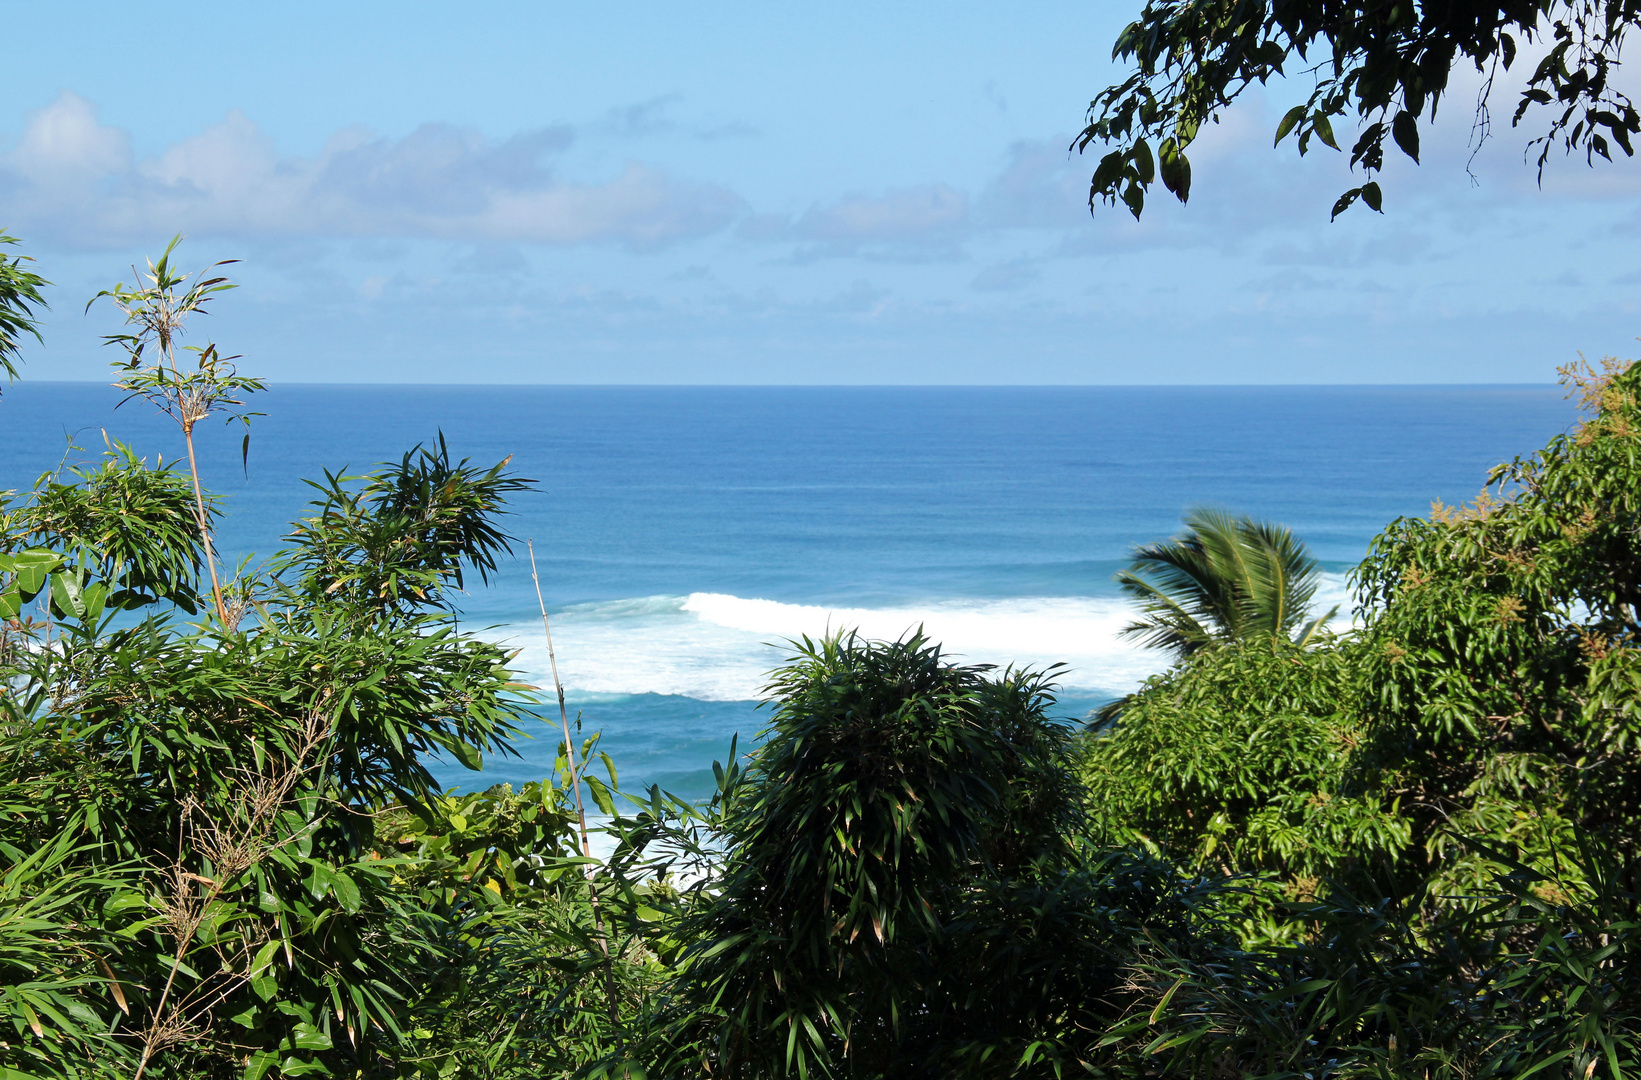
<point x="1384" y="63"/>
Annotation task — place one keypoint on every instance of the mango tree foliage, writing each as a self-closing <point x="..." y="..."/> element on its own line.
<point x="1404" y="851"/>
<point x="1433" y="817"/>
<point x="517" y="985"/>
<point x="1486" y="705"/>
<point x="1503" y="661"/>
<point x="1523" y="982"/>
<point x="1384" y="66"/>
<point x="1235" y="762"/>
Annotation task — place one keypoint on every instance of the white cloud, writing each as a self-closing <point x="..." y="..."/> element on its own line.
<point x="1043" y="185"/>
<point x="1007" y="276"/>
<point x="64" y="144"/>
<point x="75" y="179"/>
<point x="928" y="221"/>
<point x="916" y="214"/>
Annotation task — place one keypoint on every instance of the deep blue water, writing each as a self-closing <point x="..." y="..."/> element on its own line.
<point x="679" y="529"/>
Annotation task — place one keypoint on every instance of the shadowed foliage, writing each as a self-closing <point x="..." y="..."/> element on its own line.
<point x="1389" y="64"/>
<point x="906" y="889"/>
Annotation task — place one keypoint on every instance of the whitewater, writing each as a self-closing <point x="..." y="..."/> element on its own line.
<point x="717" y="647"/>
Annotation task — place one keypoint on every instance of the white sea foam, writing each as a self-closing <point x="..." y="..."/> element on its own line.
<point x="1334" y="590"/>
<point x="717" y="647"/>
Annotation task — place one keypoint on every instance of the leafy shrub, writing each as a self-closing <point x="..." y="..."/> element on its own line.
<point x="905" y="888"/>
<point x="230" y="781"/>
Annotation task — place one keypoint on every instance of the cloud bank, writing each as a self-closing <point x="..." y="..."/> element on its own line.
<point x="71" y="178"/>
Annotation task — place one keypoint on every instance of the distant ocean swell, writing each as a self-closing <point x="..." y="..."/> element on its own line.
<point x="717" y="647"/>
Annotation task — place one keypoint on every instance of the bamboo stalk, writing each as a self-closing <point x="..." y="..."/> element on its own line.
<point x="575" y="786"/>
<point x="205" y="529"/>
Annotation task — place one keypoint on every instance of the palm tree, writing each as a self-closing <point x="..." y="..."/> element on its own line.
<point x="1229" y="578"/>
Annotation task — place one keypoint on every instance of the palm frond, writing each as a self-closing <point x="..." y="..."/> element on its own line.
<point x="1228" y="577"/>
<point x="1166" y="623"/>
<point x="1308" y="632"/>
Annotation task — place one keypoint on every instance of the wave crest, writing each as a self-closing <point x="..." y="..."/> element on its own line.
<point x="719" y="647"/>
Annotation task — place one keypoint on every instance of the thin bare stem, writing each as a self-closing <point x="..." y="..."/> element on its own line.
<point x="205" y="529"/>
<point x="151" y="1038"/>
<point x="575" y="785"/>
<point x="563" y="712"/>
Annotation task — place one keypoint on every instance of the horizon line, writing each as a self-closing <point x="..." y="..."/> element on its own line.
<point x="272" y="383"/>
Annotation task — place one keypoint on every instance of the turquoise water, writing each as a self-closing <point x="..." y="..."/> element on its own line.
<point x="683" y="533"/>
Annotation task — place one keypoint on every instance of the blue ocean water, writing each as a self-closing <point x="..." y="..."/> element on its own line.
<point x="684" y="533"/>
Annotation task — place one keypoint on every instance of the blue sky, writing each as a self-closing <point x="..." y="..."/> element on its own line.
<point x="757" y="193"/>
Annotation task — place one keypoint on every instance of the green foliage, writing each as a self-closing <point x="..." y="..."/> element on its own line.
<point x="1229" y="578"/>
<point x="874" y="792"/>
<point x="1518" y="986"/>
<point x="519" y="987"/>
<point x="232" y="784"/>
<point x="116" y="537"/>
<point x="49" y="962"/>
<point x="19" y="297"/>
<point x="1489" y="694"/>
<point x="222" y="853"/>
<point x="1236" y="762"/>
<point x="1389" y="64"/>
<point x="1502" y="659"/>
<point x="129" y="526"/>
<point x="1435" y="815"/>
<point x="903" y="891"/>
<point x="395" y="543"/>
<point x="160" y="311"/>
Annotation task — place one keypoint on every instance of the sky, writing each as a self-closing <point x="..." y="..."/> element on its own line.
<point x="760" y="193"/>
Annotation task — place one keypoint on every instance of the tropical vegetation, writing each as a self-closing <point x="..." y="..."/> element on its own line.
<point x="1405" y="849"/>
<point x="1385" y="66"/>
<point x="1229" y="578"/>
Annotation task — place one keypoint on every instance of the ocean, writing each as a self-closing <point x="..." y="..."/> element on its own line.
<point x="684" y="534"/>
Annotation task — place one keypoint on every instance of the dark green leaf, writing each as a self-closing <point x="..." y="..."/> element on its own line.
<point x="1289" y="120"/>
<point x="1405" y="129"/>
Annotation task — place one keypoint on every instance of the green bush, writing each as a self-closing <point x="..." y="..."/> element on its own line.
<point x="906" y="888"/>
